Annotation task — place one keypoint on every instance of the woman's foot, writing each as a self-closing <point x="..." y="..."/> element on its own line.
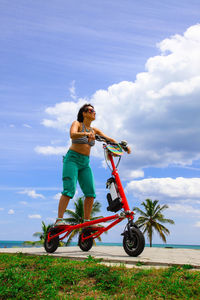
<point x="60" y="221"/>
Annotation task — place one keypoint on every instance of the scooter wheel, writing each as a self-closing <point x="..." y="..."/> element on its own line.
<point x="87" y="244"/>
<point x="134" y="245"/>
<point x="52" y="245"/>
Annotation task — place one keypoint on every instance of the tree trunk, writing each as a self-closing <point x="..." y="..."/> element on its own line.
<point x="150" y="239"/>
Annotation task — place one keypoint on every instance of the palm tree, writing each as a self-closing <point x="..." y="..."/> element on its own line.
<point x="151" y="219"/>
<point x="42" y="235"/>
<point x="77" y="216"/>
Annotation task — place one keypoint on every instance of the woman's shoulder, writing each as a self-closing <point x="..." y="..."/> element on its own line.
<point x="76" y="125"/>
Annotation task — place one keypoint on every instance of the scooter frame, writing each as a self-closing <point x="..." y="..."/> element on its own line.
<point x="63" y="231"/>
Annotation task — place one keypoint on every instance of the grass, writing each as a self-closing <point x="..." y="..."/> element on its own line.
<point x="47" y="277"/>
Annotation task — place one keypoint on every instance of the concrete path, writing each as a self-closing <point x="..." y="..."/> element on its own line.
<point x="116" y="254"/>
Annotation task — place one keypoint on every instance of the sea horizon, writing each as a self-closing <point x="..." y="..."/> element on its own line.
<point x="21" y="244"/>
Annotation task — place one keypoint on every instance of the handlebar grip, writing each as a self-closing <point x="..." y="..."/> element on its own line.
<point x="125" y="148"/>
<point x="124" y="143"/>
<point x="97" y="137"/>
<point x="100" y="138"/>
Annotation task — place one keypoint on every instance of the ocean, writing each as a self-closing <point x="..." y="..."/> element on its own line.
<point x="20" y="244"/>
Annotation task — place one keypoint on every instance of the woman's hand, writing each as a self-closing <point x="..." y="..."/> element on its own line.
<point x="128" y="150"/>
<point x="91" y="136"/>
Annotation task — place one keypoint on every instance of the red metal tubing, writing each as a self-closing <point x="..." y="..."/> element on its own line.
<point x="69" y="228"/>
<point x="98" y="231"/>
<point x="119" y="184"/>
<point x="101" y="230"/>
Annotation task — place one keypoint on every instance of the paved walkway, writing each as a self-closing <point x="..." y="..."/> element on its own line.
<point x="116" y="254"/>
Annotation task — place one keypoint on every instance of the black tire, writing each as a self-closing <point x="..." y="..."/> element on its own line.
<point x="52" y="245"/>
<point x="87" y="244"/>
<point x="134" y="245"/>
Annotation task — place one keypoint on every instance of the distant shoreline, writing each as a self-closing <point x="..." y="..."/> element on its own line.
<point x="20" y="244"/>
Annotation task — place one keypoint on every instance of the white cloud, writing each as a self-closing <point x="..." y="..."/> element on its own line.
<point x="197" y="224"/>
<point x="137" y="174"/>
<point x="184" y="209"/>
<point x="54" y="142"/>
<point x="132" y="174"/>
<point x="52" y="220"/>
<point x="64" y="114"/>
<point x="23" y="202"/>
<point x="1" y="208"/>
<point x="50" y="150"/>
<point x="11" y="212"/>
<point x="57" y="196"/>
<point x="76" y="194"/>
<point x="34" y="216"/>
<point x="31" y="193"/>
<point x="27" y="125"/>
<point x="158" y="113"/>
<point x="72" y="90"/>
<point x="164" y="188"/>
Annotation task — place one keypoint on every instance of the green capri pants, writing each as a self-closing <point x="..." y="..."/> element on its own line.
<point x="76" y="167"/>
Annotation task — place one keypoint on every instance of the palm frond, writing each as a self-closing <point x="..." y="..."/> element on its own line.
<point x="96" y="208"/>
<point x="141" y="221"/>
<point x="99" y="239"/>
<point x="71" y="221"/>
<point x="162" y="231"/>
<point x="73" y="233"/>
<point x="137" y="209"/>
<point x="163" y="220"/>
<point x="79" y="207"/>
<point x="71" y="213"/>
<point x="37" y="234"/>
<point x="95" y="218"/>
<point x="42" y="234"/>
<point x="159" y="209"/>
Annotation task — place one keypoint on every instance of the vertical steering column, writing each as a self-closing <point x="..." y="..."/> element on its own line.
<point x="119" y="184"/>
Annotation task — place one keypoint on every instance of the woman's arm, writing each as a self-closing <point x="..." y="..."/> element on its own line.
<point x="99" y="132"/>
<point x="74" y="131"/>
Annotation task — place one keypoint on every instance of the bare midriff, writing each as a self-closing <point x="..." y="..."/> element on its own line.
<point x="81" y="148"/>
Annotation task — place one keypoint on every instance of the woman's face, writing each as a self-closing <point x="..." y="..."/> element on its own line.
<point x="90" y="113"/>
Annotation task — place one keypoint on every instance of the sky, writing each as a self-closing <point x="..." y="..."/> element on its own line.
<point x="138" y="63"/>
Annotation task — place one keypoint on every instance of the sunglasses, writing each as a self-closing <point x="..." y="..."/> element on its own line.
<point x="91" y="110"/>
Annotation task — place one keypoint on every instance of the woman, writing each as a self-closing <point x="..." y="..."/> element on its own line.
<point x="76" y="162"/>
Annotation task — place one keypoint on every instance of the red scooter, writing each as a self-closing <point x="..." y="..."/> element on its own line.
<point x="133" y="239"/>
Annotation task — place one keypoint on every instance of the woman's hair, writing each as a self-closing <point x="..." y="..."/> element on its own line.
<point x="84" y="108"/>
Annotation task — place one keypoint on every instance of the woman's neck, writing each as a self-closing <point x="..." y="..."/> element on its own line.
<point x="87" y="123"/>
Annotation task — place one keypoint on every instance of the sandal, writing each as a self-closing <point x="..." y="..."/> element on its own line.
<point x="60" y="221"/>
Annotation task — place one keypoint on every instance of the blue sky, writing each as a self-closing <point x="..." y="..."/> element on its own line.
<point x="138" y="63"/>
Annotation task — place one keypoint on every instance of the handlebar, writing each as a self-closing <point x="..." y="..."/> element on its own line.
<point x="100" y="138"/>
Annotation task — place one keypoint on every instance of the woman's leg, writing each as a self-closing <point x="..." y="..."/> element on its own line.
<point x="88" y="203"/>
<point x="64" y="200"/>
<point x="86" y="181"/>
<point x="69" y="176"/>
